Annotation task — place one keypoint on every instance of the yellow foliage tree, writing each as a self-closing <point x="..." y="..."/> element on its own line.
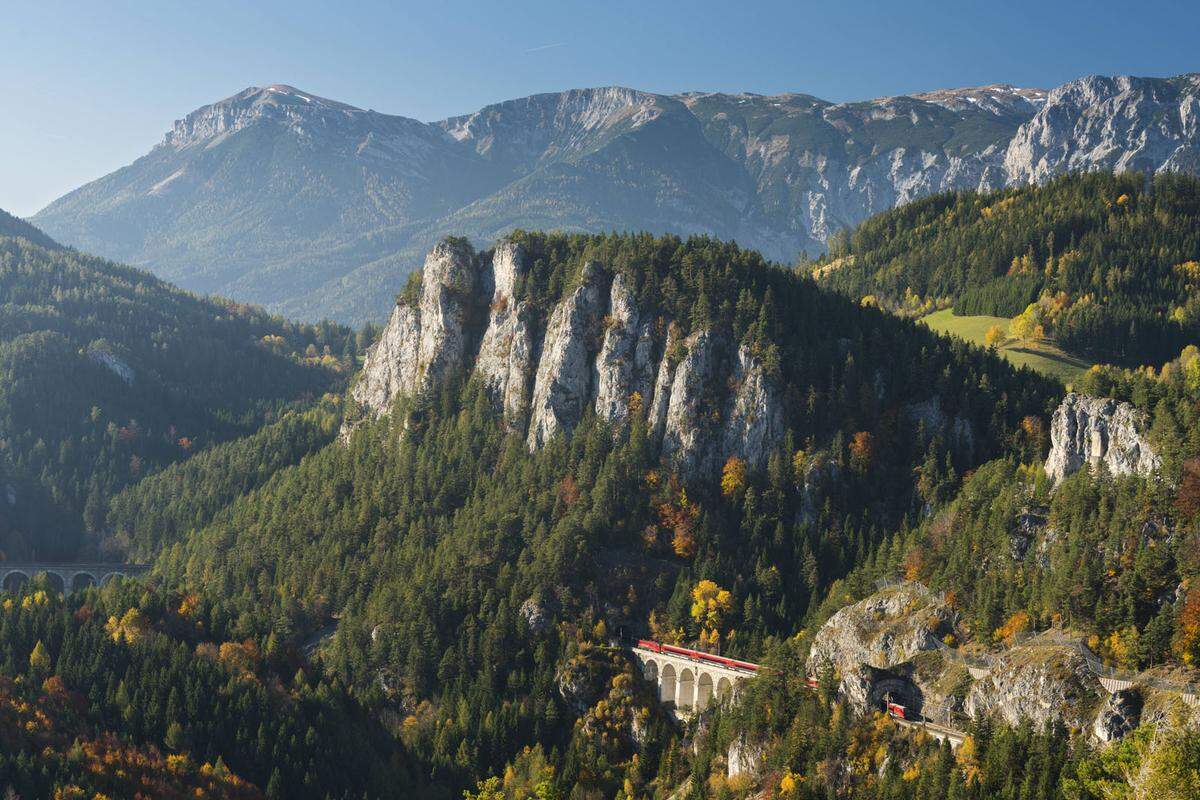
<point x="1027" y="325"/>
<point x="710" y="606"/>
<point x="1015" y="625"/>
<point x="39" y="659"/>
<point x="129" y="628"/>
<point x="733" y="476"/>
<point x="994" y="336"/>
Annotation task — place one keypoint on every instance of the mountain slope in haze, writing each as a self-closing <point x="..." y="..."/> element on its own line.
<point x="15" y="227"/>
<point x="316" y="208"/>
<point x="107" y="373"/>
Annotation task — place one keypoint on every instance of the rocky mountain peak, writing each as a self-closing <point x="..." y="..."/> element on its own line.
<point x="997" y="98"/>
<point x="1110" y="123"/>
<point x="297" y="111"/>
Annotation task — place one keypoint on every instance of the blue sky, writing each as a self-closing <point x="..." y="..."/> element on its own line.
<point x="88" y="86"/>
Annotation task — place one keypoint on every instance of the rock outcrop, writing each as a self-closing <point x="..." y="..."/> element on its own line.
<point x="1038" y="681"/>
<point x="625" y="365"/>
<point x="744" y="758"/>
<point x="704" y="399"/>
<point x="1095" y="431"/>
<point x="389" y="368"/>
<point x="564" y="374"/>
<point x="876" y="635"/>
<point x="1118" y="716"/>
<point x="1120" y="123"/>
<point x="422" y="346"/>
<point x="506" y="352"/>
<point x="688" y="429"/>
<point x="754" y="422"/>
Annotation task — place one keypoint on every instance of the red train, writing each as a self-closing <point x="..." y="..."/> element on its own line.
<point x="657" y="647"/>
<point x="895" y="710"/>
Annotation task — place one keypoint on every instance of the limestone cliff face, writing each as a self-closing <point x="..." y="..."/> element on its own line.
<point x="689" y="430"/>
<point x="449" y="291"/>
<point x="506" y="352"/>
<point x="1090" y="431"/>
<point x="1118" y="123"/>
<point x="1040" y="682"/>
<point x="754" y="422"/>
<point x="704" y="398"/>
<point x="422" y="346"/>
<point x="564" y="374"/>
<point x="625" y="365"/>
<point x="391" y="363"/>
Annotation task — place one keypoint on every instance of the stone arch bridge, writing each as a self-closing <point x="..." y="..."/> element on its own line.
<point x="66" y="577"/>
<point x="690" y="679"/>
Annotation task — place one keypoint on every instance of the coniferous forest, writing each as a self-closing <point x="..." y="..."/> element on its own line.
<point x="417" y="605"/>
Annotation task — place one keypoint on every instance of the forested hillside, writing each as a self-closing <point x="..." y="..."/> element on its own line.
<point x="129" y="692"/>
<point x="107" y="374"/>
<point x="426" y="604"/>
<point x="1105" y="264"/>
<point x="466" y="573"/>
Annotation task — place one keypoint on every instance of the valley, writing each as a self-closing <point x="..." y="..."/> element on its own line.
<point x="694" y="446"/>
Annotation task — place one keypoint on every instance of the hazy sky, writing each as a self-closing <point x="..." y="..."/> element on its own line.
<point x="90" y="86"/>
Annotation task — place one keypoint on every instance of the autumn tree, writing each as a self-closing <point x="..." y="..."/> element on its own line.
<point x="733" y="476"/>
<point x="710" y="608"/>
<point x="862" y="450"/>
<point x="39" y="660"/>
<point x="994" y="336"/>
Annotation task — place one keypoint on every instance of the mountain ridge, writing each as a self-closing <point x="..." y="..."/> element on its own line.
<point x="317" y="208"/>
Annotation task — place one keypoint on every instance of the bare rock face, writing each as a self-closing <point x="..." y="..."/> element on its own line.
<point x="1101" y="123"/>
<point x="693" y="407"/>
<point x="754" y="422"/>
<point x="704" y="401"/>
<point x="1118" y="716"/>
<point x="657" y="419"/>
<point x="535" y="615"/>
<point x="448" y="292"/>
<point x="421" y="346"/>
<point x="506" y="353"/>
<point x="564" y="375"/>
<point x="1040" y="682"/>
<point x="744" y="758"/>
<point x="1090" y="431"/>
<point x="390" y="367"/>
<point x="881" y="632"/>
<point x="625" y="364"/>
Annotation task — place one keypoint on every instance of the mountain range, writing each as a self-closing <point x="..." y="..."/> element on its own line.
<point x="316" y="208"/>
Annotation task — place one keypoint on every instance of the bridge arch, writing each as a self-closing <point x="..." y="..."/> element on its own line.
<point x="724" y="689"/>
<point x="666" y="688"/>
<point x="108" y="576"/>
<point x="82" y="580"/>
<point x="650" y="671"/>
<point x="54" y="581"/>
<point x="14" y="579"/>
<point x="704" y="691"/>
<point x="686" y="693"/>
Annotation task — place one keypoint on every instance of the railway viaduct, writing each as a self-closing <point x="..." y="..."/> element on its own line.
<point x="66" y="577"/>
<point x="690" y="679"/>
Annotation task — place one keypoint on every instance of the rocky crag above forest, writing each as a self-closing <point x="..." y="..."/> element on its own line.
<point x="705" y="397"/>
